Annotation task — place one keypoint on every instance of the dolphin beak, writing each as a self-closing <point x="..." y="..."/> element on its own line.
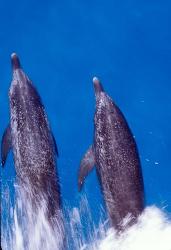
<point x="15" y="61"/>
<point x="97" y="86"/>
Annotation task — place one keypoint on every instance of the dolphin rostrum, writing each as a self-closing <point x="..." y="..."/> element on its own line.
<point x="115" y="154"/>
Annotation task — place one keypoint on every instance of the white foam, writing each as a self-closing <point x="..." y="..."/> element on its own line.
<point x="26" y="231"/>
<point x="152" y="232"/>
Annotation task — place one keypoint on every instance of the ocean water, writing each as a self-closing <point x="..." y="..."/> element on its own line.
<point x="22" y="229"/>
<point x="62" y="46"/>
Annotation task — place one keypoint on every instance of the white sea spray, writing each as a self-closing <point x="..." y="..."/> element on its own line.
<point x="24" y="230"/>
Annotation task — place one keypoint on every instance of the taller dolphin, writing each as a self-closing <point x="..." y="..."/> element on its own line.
<point x="115" y="154"/>
<point x="33" y="145"/>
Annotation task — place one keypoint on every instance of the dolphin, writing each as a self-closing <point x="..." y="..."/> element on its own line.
<point x="115" y="155"/>
<point x="32" y="142"/>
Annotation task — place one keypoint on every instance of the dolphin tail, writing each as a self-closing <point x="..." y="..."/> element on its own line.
<point x="5" y="145"/>
<point x="86" y="165"/>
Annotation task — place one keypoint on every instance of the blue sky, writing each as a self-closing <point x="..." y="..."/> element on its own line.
<point x="62" y="45"/>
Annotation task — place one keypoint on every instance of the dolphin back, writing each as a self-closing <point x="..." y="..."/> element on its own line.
<point x="117" y="162"/>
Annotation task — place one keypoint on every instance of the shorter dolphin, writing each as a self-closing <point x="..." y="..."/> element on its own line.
<point x="115" y="154"/>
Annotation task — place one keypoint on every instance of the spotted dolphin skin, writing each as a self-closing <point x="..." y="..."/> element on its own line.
<point x="33" y="145"/>
<point x="115" y="155"/>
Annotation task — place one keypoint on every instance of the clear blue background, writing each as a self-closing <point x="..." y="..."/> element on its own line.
<point x="62" y="45"/>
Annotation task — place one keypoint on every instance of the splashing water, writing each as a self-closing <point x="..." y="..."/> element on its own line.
<point x="152" y="232"/>
<point x="23" y="230"/>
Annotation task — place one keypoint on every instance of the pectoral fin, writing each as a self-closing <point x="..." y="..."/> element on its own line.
<point x="86" y="165"/>
<point x="5" y="145"/>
